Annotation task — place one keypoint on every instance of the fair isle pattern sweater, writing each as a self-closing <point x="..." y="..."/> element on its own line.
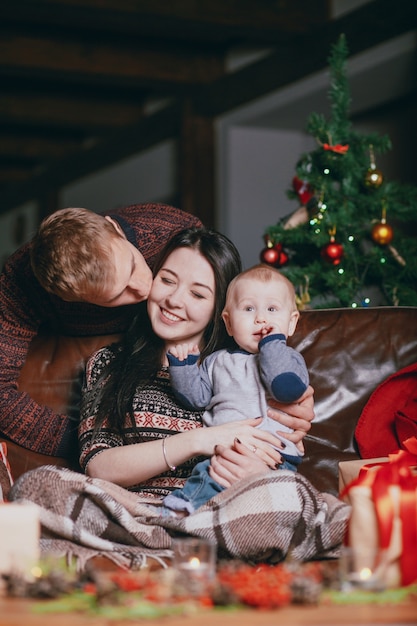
<point x="26" y="308"/>
<point x="157" y="415"/>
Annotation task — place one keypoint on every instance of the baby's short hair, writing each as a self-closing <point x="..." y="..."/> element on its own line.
<point x="263" y="273"/>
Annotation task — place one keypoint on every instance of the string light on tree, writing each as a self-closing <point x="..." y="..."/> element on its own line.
<point x="317" y="210"/>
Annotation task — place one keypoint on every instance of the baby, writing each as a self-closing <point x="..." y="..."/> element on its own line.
<point x="260" y="313"/>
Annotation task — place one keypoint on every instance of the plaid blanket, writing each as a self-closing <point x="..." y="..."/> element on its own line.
<point x="266" y="518"/>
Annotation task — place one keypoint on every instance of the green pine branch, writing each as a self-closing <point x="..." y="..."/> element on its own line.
<point x="337" y="172"/>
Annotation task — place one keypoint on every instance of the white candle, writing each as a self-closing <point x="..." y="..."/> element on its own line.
<point x="19" y="537"/>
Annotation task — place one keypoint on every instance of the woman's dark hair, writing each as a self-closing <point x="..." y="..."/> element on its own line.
<point x="138" y="355"/>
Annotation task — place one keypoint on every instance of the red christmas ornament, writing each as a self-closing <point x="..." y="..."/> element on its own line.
<point x="273" y="254"/>
<point x="303" y="190"/>
<point x="283" y="259"/>
<point x="270" y="256"/>
<point x="333" y="251"/>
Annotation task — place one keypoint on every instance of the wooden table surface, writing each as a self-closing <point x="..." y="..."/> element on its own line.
<point x="18" y="612"/>
<point x="22" y="612"/>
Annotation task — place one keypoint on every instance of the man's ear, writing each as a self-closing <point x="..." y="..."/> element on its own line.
<point x="115" y="225"/>
<point x="295" y="315"/>
<point x="226" y="320"/>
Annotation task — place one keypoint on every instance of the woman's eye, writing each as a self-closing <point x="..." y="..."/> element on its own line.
<point x="197" y="295"/>
<point x="249" y="308"/>
<point x="167" y="281"/>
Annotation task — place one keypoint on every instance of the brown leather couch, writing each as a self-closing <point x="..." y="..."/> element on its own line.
<point x="349" y="352"/>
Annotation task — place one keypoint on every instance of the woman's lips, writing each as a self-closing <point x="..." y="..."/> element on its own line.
<point x="170" y="316"/>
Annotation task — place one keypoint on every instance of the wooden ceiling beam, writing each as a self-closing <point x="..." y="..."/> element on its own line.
<point x="66" y="110"/>
<point x="205" y="20"/>
<point x="127" y="63"/>
<point x="28" y="145"/>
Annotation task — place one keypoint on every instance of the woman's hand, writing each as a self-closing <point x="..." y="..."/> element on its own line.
<point x="297" y="416"/>
<point x="228" y="465"/>
<point x="256" y="440"/>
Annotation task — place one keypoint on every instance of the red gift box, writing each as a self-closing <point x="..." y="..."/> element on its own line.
<point x="384" y="514"/>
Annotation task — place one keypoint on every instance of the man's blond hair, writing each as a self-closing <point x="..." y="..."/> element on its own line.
<point x="263" y="273"/>
<point x="71" y="255"/>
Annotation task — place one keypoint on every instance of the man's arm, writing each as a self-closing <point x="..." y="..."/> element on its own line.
<point x="149" y="226"/>
<point x="21" y="419"/>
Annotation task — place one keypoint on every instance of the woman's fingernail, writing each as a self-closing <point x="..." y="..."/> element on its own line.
<point x="283" y="445"/>
<point x="277" y="465"/>
<point x="237" y="440"/>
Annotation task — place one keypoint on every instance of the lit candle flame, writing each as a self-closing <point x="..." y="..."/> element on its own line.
<point x="195" y="562"/>
<point x="365" y="573"/>
<point x="36" y="571"/>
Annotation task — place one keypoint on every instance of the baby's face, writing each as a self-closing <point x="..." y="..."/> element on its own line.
<point x="259" y="308"/>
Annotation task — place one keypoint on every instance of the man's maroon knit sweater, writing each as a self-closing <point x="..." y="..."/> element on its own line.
<point x="25" y="308"/>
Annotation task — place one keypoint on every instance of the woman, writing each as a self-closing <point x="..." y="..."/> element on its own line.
<point x="134" y="435"/>
<point x="184" y="305"/>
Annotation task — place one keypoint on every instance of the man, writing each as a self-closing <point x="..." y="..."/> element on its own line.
<point x="81" y="275"/>
<point x="74" y="278"/>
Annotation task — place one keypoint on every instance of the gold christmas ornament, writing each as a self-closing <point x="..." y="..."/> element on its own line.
<point x="373" y="177"/>
<point x="382" y="233"/>
<point x="302" y="296"/>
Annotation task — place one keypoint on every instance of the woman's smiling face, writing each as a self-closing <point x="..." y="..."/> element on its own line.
<point x="181" y="300"/>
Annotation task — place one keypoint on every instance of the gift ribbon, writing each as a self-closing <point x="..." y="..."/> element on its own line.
<point x="397" y="471"/>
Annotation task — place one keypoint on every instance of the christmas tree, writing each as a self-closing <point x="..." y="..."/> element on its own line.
<point x="354" y="233"/>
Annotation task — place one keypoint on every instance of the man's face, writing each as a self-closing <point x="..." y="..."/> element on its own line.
<point x="132" y="279"/>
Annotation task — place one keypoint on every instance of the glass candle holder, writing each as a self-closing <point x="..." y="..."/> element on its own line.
<point x="362" y="569"/>
<point x="194" y="562"/>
